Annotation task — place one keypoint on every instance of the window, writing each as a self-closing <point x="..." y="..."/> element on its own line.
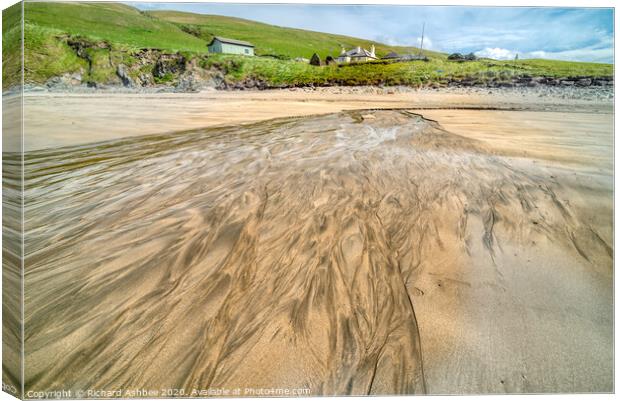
<point x="247" y="51"/>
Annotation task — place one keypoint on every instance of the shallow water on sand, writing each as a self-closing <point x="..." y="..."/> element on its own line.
<point x="326" y="253"/>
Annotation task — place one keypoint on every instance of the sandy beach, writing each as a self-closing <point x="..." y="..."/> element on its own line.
<point x="78" y="117"/>
<point x="442" y="242"/>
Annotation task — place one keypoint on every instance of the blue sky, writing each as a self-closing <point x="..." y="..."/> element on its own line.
<point x="580" y="34"/>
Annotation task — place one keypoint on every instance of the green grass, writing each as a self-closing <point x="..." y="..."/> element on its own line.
<point x="168" y="77"/>
<point x="558" y="68"/>
<point x="46" y="56"/>
<point x="274" y="40"/>
<point x="11" y="46"/>
<point x="282" y="72"/>
<point x="114" y="22"/>
<point x="124" y="27"/>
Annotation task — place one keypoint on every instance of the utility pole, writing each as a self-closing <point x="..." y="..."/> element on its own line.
<point x="422" y="40"/>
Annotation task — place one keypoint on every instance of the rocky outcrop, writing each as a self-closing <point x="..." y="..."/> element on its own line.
<point x="145" y="68"/>
<point x="526" y="81"/>
<point x="123" y="74"/>
<point x="169" y="64"/>
<point x="65" y="81"/>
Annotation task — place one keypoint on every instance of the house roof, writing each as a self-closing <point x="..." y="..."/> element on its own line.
<point x="361" y="53"/>
<point x="392" y="55"/>
<point x="230" y="41"/>
<point x="364" y="54"/>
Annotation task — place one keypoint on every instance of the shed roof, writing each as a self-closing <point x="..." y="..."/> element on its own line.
<point x="230" y="41"/>
<point x="392" y="55"/>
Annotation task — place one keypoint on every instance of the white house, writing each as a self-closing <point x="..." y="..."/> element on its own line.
<point x="356" y="55"/>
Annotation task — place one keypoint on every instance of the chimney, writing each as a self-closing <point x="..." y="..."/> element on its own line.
<point x="372" y="50"/>
<point x="359" y="49"/>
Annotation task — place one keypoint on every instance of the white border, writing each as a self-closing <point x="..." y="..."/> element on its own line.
<point x="489" y="3"/>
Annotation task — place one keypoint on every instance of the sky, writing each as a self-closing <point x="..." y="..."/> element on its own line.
<point x="578" y="34"/>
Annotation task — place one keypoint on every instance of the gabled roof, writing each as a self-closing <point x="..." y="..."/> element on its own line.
<point x="230" y="41"/>
<point x="361" y="53"/>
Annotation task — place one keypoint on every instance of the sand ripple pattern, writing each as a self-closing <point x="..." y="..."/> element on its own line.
<point x="278" y="254"/>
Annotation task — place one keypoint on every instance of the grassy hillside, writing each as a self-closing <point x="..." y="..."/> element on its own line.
<point x="124" y="28"/>
<point x="11" y="45"/>
<point x="117" y="23"/>
<point x="111" y="34"/>
<point x="273" y="40"/>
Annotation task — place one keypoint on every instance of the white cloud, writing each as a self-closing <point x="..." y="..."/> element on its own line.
<point x="604" y="55"/>
<point x="388" y="40"/>
<point x="496" y="53"/>
<point x="591" y="53"/>
<point x="477" y="37"/>
<point x="428" y="43"/>
<point x="405" y="41"/>
<point x="538" y="54"/>
<point x="150" y="6"/>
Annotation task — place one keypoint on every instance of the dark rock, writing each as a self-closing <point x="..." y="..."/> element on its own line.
<point x="169" y="64"/>
<point x="600" y="82"/>
<point x="505" y="85"/>
<point x="187" y="83"/>
<point x="315" y="60"/>
<point x="65" y="81"/>
<point x="584" y="82"/>
<point x="146" y="80"/>
<point x="123" y="74"/>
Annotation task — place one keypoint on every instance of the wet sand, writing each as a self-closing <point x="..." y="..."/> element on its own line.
<point x="79" y="118"/>
<point x="357" y="252"/>
<point x="528" y="319"/>
<point x="569" y="138"/>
